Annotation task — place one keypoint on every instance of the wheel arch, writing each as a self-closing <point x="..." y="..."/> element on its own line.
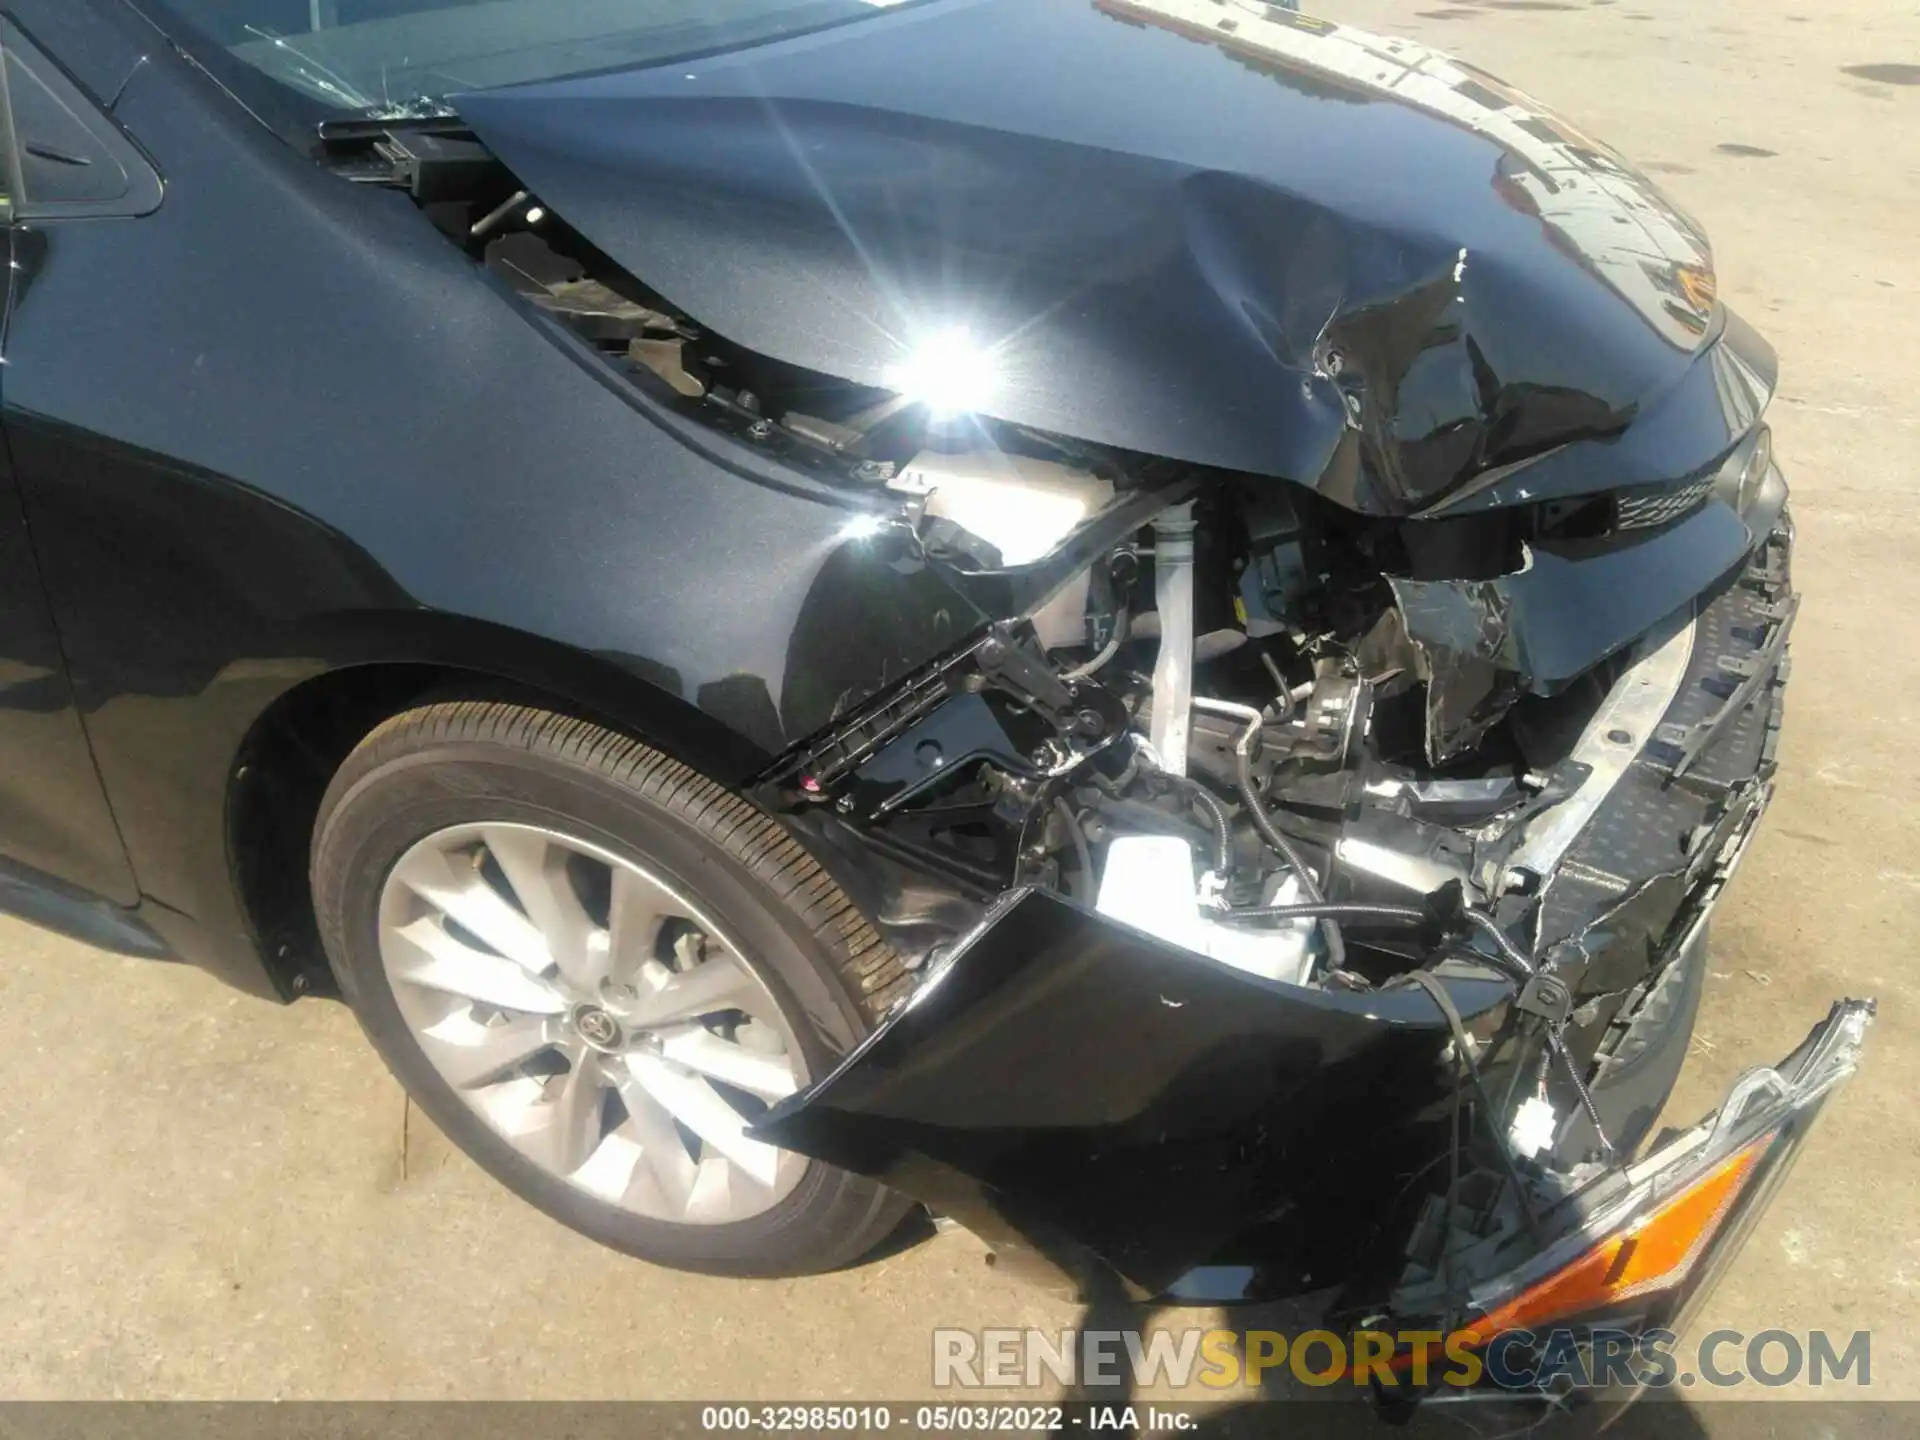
<point x="293" y="746"/>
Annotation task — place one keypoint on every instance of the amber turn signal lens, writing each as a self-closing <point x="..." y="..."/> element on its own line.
<point x="1654" y="1253"/>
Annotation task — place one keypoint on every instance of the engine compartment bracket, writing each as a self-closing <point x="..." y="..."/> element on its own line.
<point x="1758" y="670"/>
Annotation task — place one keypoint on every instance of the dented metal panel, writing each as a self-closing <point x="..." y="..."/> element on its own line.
<point x="1298" y="250"/>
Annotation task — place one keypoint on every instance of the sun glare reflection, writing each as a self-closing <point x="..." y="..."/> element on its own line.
<point x="949" y="372"/>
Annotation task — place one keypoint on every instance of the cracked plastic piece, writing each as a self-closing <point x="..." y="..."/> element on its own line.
<point x="1757" y="673"/>
<point x="1754" y="1135"/>
<point x="1486" y="642"/>
<point x="1085" y="1096"/>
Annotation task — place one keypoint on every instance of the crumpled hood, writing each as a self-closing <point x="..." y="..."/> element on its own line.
<point x="1227" y="235"/>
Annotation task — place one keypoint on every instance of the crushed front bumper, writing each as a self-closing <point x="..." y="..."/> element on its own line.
<point x="1121" y="1116"/>
<point x="1623" y="906"/>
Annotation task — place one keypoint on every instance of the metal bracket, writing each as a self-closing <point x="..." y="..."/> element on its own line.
<point x="1002" y="658"/>
<point x="1758" y="671"/>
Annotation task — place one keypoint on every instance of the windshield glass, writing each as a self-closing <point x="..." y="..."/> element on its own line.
<point x="403" y="57"/>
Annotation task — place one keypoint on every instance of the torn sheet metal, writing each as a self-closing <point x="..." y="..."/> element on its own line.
<point x="1123" y="1109"/>
<point x="1487" y="642"/>
<point x="1460" y="630"/>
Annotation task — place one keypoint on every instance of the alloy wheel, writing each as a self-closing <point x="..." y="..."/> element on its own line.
<point x="593" y="1017"/>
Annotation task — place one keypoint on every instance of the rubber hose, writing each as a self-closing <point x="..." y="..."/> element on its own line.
<point x="1273" y="834"/>
<point x="1287" y="706"/>
<point x="1083" y="885"/>
<point x="1216" y="813"/>
<point x="1509" y="959"/>
<point x="1284" y="846"/>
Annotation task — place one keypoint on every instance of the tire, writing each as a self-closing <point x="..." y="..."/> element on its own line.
<point x="426" y="773"/>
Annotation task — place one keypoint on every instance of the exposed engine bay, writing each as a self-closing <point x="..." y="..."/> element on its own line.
<point x="1214" y="697"/>
<point x="1221" y="734"/>
<point x="1245" y="701"/>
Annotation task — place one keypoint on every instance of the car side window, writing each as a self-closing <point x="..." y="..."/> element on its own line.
<point x="61" y="154"/>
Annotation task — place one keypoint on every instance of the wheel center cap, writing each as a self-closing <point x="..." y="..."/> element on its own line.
<point x="598" y="1028"/>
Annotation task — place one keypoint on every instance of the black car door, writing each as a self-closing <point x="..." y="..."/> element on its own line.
<point x="62" y="162"/>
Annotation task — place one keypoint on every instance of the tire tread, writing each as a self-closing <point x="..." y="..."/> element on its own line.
<point x="872" y="969"/>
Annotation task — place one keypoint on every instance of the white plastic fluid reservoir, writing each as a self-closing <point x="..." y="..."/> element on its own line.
<point x="1283" y="952"/>
<point x="1148" y="884"/>
<point x="1022" y="507"/>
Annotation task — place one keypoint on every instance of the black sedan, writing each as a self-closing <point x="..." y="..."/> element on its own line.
<point x="1152" y="624"/>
